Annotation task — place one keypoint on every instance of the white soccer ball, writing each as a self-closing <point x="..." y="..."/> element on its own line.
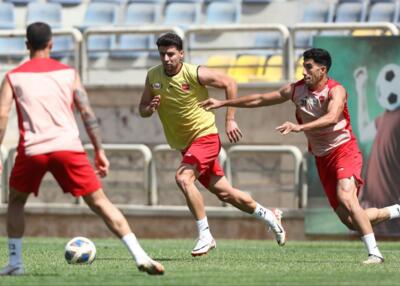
<point x="388" y="87"/>
<point x="80" y="250"/>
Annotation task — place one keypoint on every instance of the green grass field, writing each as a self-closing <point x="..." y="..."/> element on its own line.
<point x="234" y="262"/>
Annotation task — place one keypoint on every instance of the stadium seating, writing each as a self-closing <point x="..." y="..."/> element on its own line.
<point x="274" y="69"/>
<point x="350" y="11"/>
<point x="20" y="2"/>
<point x="46" y="12"/>
<point x="7" y="16"/>
<point x="137" y="13"/>
<point x="380" y="11"/>
<point x="99" y="14"/>
<point x="221" y="62"/>
<point x="247" y="68"/>
<point x="182" y="13"/>
<point x="314" y="12"/>
<point x="383" y="12"/>
<point x="66" y="2"/>
<point x="222" y="12"/>
<point x="10" y="48"/>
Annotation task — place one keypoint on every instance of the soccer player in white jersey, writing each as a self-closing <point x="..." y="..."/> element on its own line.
<point x="322" y="114"/>
<point x="45" y="92"/>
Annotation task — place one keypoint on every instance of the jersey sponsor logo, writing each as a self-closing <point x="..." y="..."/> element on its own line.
<point x="185" y="86"/>
<point x="156" y="85"/>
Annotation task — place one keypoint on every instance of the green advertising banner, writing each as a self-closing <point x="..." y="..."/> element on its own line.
<point x="369" y="69"/>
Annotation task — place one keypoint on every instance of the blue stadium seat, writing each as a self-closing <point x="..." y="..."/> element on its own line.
<point x="7" y="16"/>
<point x="382" y="12"/>
<point x="99" y="14"/>
<point x="44" y="12"/>
<point x="20" y="2"/>
<point x="137" y="13"/>
<point x="350" y="11"/>
<point x="314" y="12"/>
<point x="66" y="2"/>
<point x="182" y="13"/>
<point x="223" y="12"/>
<point x="13" y="48"/>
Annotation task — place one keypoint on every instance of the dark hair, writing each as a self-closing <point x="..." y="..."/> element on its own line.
<point x="38" y="35"/>
<point x="320" y="56"/>
<point x="170" y="39"/>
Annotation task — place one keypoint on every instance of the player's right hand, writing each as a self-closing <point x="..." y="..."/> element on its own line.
<point x="101" y="163"/>
<point x="211" y="103"/>
<point x="154" y="103"/>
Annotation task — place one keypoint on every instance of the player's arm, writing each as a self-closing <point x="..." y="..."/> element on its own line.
<point x="6" y="99"/>
<point x="220" y="80"/>
<point x="334" y="112"/>
<point x="148" y="103"/>
<point x="81" y="101"/>
<point x="252" y="100"/>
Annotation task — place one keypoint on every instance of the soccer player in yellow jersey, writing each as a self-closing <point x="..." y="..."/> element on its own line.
<point x="174" y="89"/>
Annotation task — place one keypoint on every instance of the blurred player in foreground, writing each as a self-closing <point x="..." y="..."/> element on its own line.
<point x="45" y="92"/>
<point x="174" y="89"/>
<point x="322" y="114"/>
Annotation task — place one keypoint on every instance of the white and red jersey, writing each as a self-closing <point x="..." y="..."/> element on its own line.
<point x="43" y="92"/>
<point x="311" y="105"/>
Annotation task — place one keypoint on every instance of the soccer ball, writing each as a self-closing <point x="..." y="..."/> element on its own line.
<point x="388" y="87"/>
<point x="80" y="250"/>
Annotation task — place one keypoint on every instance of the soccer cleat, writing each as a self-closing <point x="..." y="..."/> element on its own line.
<point x="17" y="269"/>
<point x="151" y="267"/>
<point x="373" y="259"/>
<point x="280" y="233"/>
<point x="203" y="246"/>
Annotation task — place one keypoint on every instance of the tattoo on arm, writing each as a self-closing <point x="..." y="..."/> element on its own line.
<point x="88" y="117"/>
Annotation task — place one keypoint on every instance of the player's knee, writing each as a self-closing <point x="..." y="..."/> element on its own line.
<point x="183" y="181"/>
<point x="224" y="196"/>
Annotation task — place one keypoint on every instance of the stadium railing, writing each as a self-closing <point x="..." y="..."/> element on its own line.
<point x="76" y="37"/>
<point x="147" y="170"/>
<point x="240" y="43"/>
<point x="298" y="187"/>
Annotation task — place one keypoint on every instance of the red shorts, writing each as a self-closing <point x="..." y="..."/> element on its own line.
<point x="203" y="152"/>
<point x="72" y="171"/>
<point x="343" y="162"/>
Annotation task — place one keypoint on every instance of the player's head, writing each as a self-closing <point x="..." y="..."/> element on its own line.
<point x="170" y="48"/>
<point x="316" y="65"/>
<point x="38" y="36"/>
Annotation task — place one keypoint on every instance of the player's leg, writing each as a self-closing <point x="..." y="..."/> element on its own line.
<point x="25" y="178"/>
<point x="15" y="231"/>
<point x="377" y="215"/>
<point x="185" y="177"/>
<point x="75" y="175"/>
<point x="347" y="198"/>
<point x="220" y="186"/>
<point x="117" y="223"/>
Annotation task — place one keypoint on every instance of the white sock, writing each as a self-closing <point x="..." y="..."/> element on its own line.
<point x="135" y="249"/>
<point x="15" y="251"/>
<point x="266" y="215"/>
<point x="203" y="227"/>
<point x="370" y="244"/>
<point x="394" y="211"/>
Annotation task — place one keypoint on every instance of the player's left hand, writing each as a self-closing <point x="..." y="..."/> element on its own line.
<point x="232" y="131"/>
<point x="102" y="164"/>
<point x="288" y="127"/>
